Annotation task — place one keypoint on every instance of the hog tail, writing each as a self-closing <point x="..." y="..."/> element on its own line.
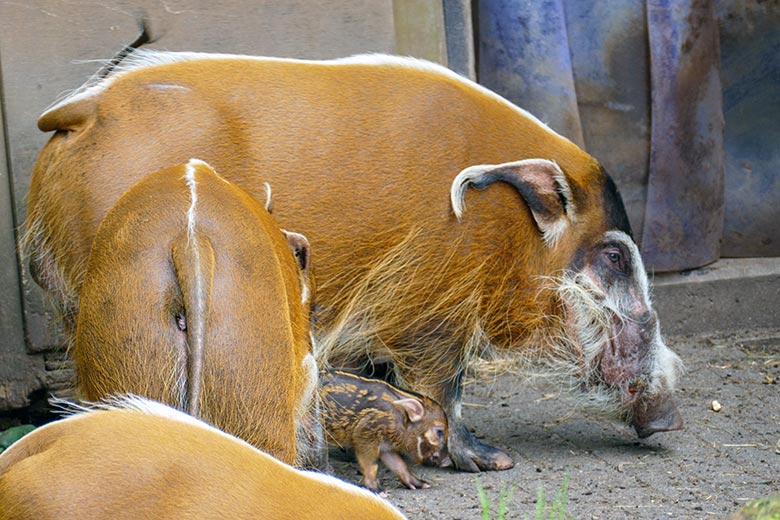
<point x="194" y="266"/>
<point x="193" y="261"/>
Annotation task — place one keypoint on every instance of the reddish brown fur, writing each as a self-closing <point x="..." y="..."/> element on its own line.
<point x="141" y="289"/>
<point x="125" y="464"/>
<point x="361" y="157"/>
<point x="258" y="141"/>
<point x="374" y="419"/>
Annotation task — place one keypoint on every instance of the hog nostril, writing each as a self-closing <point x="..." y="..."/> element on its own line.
<point x="636" y="386"/>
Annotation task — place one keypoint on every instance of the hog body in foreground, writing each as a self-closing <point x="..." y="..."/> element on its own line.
<point x="140" y="460"/>
<point x="193" y="297"/>
<point x="380" y="421"/>
<point x="371" y="157"/>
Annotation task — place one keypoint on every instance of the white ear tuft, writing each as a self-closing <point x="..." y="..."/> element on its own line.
<point x="459" y="185"/>
<point x="268" y="201"/>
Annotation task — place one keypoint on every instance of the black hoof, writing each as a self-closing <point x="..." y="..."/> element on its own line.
<point x="469" y="454"/>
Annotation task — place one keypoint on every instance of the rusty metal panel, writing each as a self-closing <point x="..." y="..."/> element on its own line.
<point x="684" y="215"/>
<point x="524" y="56"/>
<point x="750" y="72"/>
<point x="609" y="49"/>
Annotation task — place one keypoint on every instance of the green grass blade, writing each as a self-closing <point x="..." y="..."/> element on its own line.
<point x="505" y="496"/>
<point x="484" y="500"/>
<point x="541" y="504"/>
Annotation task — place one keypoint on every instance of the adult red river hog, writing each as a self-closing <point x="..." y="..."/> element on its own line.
<point x="193" y="297"/>
<point x="372" y="157"/>
<point x="135" y="459"/>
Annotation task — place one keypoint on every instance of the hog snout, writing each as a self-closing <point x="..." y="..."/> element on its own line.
<point x="626" y="368"/>
<point x="657" y="414"/>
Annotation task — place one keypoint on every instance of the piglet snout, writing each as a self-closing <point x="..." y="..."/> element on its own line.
<point x="446" y="462"/>
<point x="439" y="459"/>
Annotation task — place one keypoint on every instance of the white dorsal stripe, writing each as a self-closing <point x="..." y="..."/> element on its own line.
<point x="193" y="383"/>
<point x="142" y="58"/>
<point x="192" y="184"/>
<point x="268" y="199"/>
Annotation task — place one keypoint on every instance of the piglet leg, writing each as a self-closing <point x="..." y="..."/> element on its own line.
<point x="396" y="464"/>
<point x="368" y="459"/>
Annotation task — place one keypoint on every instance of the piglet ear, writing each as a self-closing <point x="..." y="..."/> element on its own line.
<point x="411" y="407"/>
<point x="541" y="183"/>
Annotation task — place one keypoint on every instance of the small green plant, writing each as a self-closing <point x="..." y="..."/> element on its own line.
<point x="760" y="509"/>
<point x="504" y="495"/>
<point x="555" y="511"/>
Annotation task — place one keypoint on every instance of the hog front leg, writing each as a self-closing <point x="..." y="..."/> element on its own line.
<point x="466" y="451"/>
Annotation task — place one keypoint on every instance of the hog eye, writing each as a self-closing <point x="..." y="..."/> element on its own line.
<point x="616" y="259"/>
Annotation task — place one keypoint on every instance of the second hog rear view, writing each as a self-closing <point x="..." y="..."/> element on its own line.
<point x="380" y="421"/>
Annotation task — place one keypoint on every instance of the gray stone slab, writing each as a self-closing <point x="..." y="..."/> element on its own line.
<point x="729" y="295"/>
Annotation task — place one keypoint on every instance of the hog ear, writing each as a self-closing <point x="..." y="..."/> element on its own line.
<point x="411" y="407"/>
<point x="299" y="245"/>
<point x="301" y="250"/>
<point x="541" y="183"/>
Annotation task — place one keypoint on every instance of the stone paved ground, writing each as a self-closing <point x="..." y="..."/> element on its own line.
<point x="708" y="470"/>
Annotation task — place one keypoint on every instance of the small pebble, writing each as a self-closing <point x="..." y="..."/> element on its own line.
<point x="716" y="406"/>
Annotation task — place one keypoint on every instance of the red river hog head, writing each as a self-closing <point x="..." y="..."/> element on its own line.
<point x="607" y="347"/>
